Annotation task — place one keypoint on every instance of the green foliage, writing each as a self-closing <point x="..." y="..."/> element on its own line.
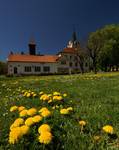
<point x="3" y="68"/>
<point x="103" y="46"/>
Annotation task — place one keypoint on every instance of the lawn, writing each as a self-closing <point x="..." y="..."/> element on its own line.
<point x="78" y="109"/>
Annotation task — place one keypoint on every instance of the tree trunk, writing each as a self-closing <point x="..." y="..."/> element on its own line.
<point x="94" y="66"/>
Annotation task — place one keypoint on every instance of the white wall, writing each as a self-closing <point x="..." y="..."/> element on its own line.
<point x="20" y="67"/>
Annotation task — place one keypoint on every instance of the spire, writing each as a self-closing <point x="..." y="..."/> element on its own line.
<point x="74" y="37"/>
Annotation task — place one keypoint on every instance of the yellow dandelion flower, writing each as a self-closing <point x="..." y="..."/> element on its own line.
<point x="34" y="95"/>
<point x="24" y="129"/>
<point x="58" y="98"/>
<point x="49" y="95"/>
<point x="13" y="108"/>
<point x="108" y="129"/>
<point x="37" y="118"/>
<point x="28" y="94"/>
<point x="32" y="111"/>
<point x="45" y="138"/>
<point x="56" y="93"/>
<point x="82" y="123"/>
<point x="23" y="113"/>
<point x="18" y="122"/>
<point x="44" y="128"/>
<point x="64" y="95"/>
<point x="44" y="97"/>
<point x="50" y="101"/>
<point x="43" y="109"/>
<point x="70" y="109"/>
<point x="29" y="121"/>
<point x="53" y="107"/>
<point x="41" y="93"/>
<point x="21" y="108"/>
<point x="14" y="135"/>
<point x="12" y="126"/>
<point x="46" y="113"/>
<point x="64" y="111"/>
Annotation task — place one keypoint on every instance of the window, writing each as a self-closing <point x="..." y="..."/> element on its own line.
<point x="63" y="62"/>
<point x="76" y="64"/>
<point x="75" y="58"/>
<point x="65" y="56"/>
<point x="70" y="64"/>
<point x="37" y="68"/>
<point x="27" y="69"/>
<point x="46" y="69"/>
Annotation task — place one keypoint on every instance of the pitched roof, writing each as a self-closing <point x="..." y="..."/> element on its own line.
<point x="32" y="58"/>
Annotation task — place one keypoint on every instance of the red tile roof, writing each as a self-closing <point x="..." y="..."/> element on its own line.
<point x="32" y="58"/>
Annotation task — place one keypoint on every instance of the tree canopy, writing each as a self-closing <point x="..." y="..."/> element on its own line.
<point x="103" y="47"/>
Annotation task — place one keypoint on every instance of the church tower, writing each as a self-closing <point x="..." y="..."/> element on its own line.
<point x="73" y="43"/>
<point x="32" y="47"/>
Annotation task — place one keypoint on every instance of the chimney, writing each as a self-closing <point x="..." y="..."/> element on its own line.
<point x="32" y="47"/>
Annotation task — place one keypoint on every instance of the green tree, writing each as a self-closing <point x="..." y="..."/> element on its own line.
<point x="94" y="45"/>
<point x="103" y="47"/>
<point x="3" y="68"/>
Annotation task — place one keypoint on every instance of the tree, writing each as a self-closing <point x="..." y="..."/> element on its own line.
<point x="94" y="45"/>
<point x="103" y="47"/>
<point x="3" y="68"/>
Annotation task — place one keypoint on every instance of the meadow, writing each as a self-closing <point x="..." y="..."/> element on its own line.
<point x="71" y="112"/>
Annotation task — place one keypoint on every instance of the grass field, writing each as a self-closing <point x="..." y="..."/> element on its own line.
<point x="92" y="98"/>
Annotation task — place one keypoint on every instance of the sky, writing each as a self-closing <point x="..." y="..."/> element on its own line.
<point x="51" y="22"/>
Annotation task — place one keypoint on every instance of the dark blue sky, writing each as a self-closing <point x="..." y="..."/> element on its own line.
<point x="51" y="22"/>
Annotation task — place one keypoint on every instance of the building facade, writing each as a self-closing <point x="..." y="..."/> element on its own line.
<point x="66" y="61"/>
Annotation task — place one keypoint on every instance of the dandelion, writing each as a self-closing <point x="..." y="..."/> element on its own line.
<point x="44" y="128"/>
<point x="56" y="93"/>
<point x="21" y="108"/>
<point x="13" y="108"/>
<point x="32" y="111"/>
<point x="45" y="137"/>
<point x="41" y="93"/>
<point x="18" y="122"/>
<point x="23" y="113"/>
<point x="46" y="113"/>
<point x="43" y="109"/>
<point x="82" y="123"/>
<point x="58" y="98"/>
<point x="50" y="101"/>
<point x="28" y="94"/>
<point x="70" y="109"/>
<point x="29" y="121"/>
<point x="44" y="97"/>
<point x="37" y="118"/>
<point x="64" y="95"/>
<point x="64" y="111"/>
<point x="14" y="135"/>
<point x="24" y="129"/>
<point x="108" y="129"/>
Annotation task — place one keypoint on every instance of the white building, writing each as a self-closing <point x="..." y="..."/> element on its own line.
<point x="66" y="61"/>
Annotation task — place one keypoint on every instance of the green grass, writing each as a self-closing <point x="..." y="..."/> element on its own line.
<point x="95" y="99"/>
